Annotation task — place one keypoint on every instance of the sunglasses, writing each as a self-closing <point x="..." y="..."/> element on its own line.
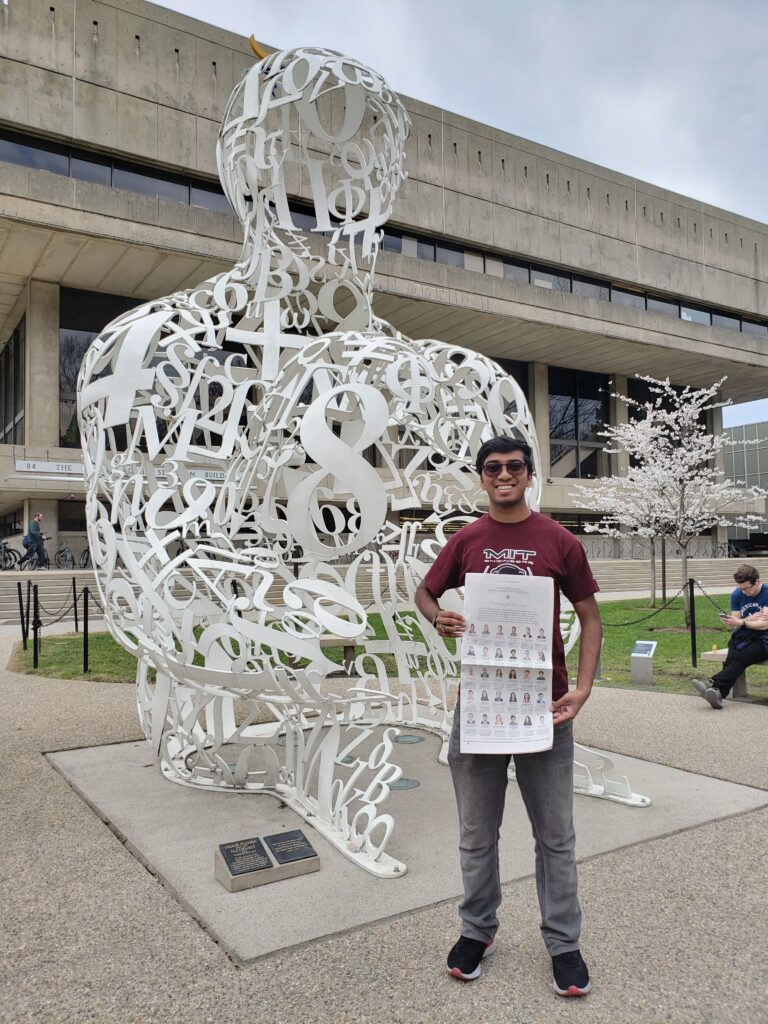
<point x="514" y="466"/>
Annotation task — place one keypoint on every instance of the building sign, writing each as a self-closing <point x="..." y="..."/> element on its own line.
<point x="38" y="466"/>
<point x="76" y="469"/>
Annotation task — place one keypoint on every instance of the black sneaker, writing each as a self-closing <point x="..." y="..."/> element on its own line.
<point x="714" y="697"/>
<point x="571" y="974"/>
<point x="464" y="959"/>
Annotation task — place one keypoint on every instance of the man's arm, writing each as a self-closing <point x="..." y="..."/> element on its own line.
<point x="446" y="623"/>
<point x="757" y="621"/>
<point x="571" y="703"/>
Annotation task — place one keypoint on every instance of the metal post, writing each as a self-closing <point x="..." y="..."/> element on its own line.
<point x="74" y="601"/>
<point x="21" y="616"/>
<point x="85" y="629"/>
<point x="35" y="628"/>
<point x="29" y="603"/>
<point x="692" y="606"/>
<point x="663" y="569"/>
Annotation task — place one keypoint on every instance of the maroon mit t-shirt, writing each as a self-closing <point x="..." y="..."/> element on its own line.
<point x="537" y="546"/>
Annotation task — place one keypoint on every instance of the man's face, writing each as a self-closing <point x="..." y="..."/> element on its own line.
<point x="750" y="589"/>
<point x="504" y="478"/>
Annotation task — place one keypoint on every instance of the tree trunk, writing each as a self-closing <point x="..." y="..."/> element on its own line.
<point x="684" y="581"/>
<point x="652" y="542"/>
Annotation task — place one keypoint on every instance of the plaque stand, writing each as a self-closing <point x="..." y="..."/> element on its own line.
<point x="248" y="862"/>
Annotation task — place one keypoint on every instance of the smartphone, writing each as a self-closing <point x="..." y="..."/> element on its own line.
<point x="724" y="615"/>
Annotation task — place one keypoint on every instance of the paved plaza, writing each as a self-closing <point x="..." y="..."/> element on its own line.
<point x="674" y="895"/>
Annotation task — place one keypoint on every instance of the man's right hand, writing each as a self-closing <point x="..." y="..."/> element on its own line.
<point x="450" y="624"/>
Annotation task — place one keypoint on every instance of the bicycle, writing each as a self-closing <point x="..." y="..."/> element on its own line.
<point x="64" y="558"/>
<point x="36" y="561"/>
<point x="85" y="559"/>
<point x="9" y="557"/>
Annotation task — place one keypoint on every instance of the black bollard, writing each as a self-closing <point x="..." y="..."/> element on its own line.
<point x="22" y="616"/>
<point x="692" y="606"/>
<point x="29" y="605"/>
<point x="35" y="628"/>
<point x="85" y="629"/>
<point x="74" y="601"/>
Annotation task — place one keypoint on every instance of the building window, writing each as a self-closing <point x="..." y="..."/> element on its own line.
<point x="12" y="523"/>
<point x="392" y="241"/>
<point x="12" y="372"/>
<point x="696" y="315"/>
<point x="82" y="316"/>
<point x="547" y="279"/>
<point x="591" y="289"/>
<point x="516" y="270"/>
<point x="426" y="250"/>
<point x="151" y="184"/>
<point x="730" y="323"/>
<point x="664" y="306"/>
<point x="518" y="369"/>
<point x="627" y="297"/>
<point x="72" y="516"/>
<point x="760" y="330"/>
<point x="209" y="197"/>
<point x="92" y="169"/>
<point x="575" y="522"/>
<point x="451" y="255"/>
<point x="578" y="409"/>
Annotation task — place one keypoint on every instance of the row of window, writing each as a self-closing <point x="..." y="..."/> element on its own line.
<point x="555" y="279"/>
<point x="84" y="165"/>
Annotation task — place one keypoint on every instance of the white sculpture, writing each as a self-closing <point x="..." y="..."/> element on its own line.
<point x="249" y="446"/>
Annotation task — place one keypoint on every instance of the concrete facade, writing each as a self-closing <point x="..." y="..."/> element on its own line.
<point x="132" y="81"/>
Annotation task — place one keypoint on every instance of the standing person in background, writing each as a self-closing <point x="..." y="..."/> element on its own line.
<point x="35" y="539"/>
<point x="511" y="539"/>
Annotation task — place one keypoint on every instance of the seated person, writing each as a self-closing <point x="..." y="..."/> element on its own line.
<point x="748" y="643"/>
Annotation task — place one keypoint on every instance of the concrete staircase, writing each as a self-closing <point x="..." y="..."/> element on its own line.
<point x="613" y="576"/>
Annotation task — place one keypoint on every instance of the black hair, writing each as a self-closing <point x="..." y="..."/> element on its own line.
<point x="504" y="444"/>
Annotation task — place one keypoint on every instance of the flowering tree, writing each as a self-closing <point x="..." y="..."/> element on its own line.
<point x="628" y="505"/>
<point x="673" y="486"/>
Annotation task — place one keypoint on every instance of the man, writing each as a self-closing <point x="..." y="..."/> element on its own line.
<point x="35" y="538"/>
<point x="748" y="643"/>
<point x="512" y="539"/>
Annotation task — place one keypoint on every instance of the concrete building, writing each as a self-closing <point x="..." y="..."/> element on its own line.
<point x="577" y="276"/>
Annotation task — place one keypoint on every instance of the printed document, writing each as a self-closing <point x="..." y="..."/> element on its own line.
<point x="506" y="664"/>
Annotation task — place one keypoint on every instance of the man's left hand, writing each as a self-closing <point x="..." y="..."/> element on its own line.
<point x="569" y="705"/>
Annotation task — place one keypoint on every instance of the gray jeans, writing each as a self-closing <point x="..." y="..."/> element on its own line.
<point x="546" y="785"/>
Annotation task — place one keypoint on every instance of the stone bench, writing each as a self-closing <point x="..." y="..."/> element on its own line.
<point x="740" y="686"/>
<point x="347" y="644"/>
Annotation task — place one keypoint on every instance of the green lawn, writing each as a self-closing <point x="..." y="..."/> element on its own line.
<point x="62" y="657"/>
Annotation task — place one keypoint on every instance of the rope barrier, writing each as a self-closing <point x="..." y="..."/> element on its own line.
<point x="644" y="618"/>
<point x="711" y="600"/>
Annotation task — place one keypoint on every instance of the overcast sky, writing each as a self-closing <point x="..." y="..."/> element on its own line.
<point x="671" y="91"/>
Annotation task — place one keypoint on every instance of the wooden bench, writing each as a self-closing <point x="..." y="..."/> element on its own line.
<point x="740" y="686"/>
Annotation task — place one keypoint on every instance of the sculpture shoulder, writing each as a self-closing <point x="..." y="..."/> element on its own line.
<point x="139" y="334"/>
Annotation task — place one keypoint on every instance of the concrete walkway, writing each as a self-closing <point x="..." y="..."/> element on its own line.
<point x="674" y="927"/>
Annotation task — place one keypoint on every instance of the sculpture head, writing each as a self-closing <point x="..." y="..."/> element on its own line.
<point x="318" y="117"/>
